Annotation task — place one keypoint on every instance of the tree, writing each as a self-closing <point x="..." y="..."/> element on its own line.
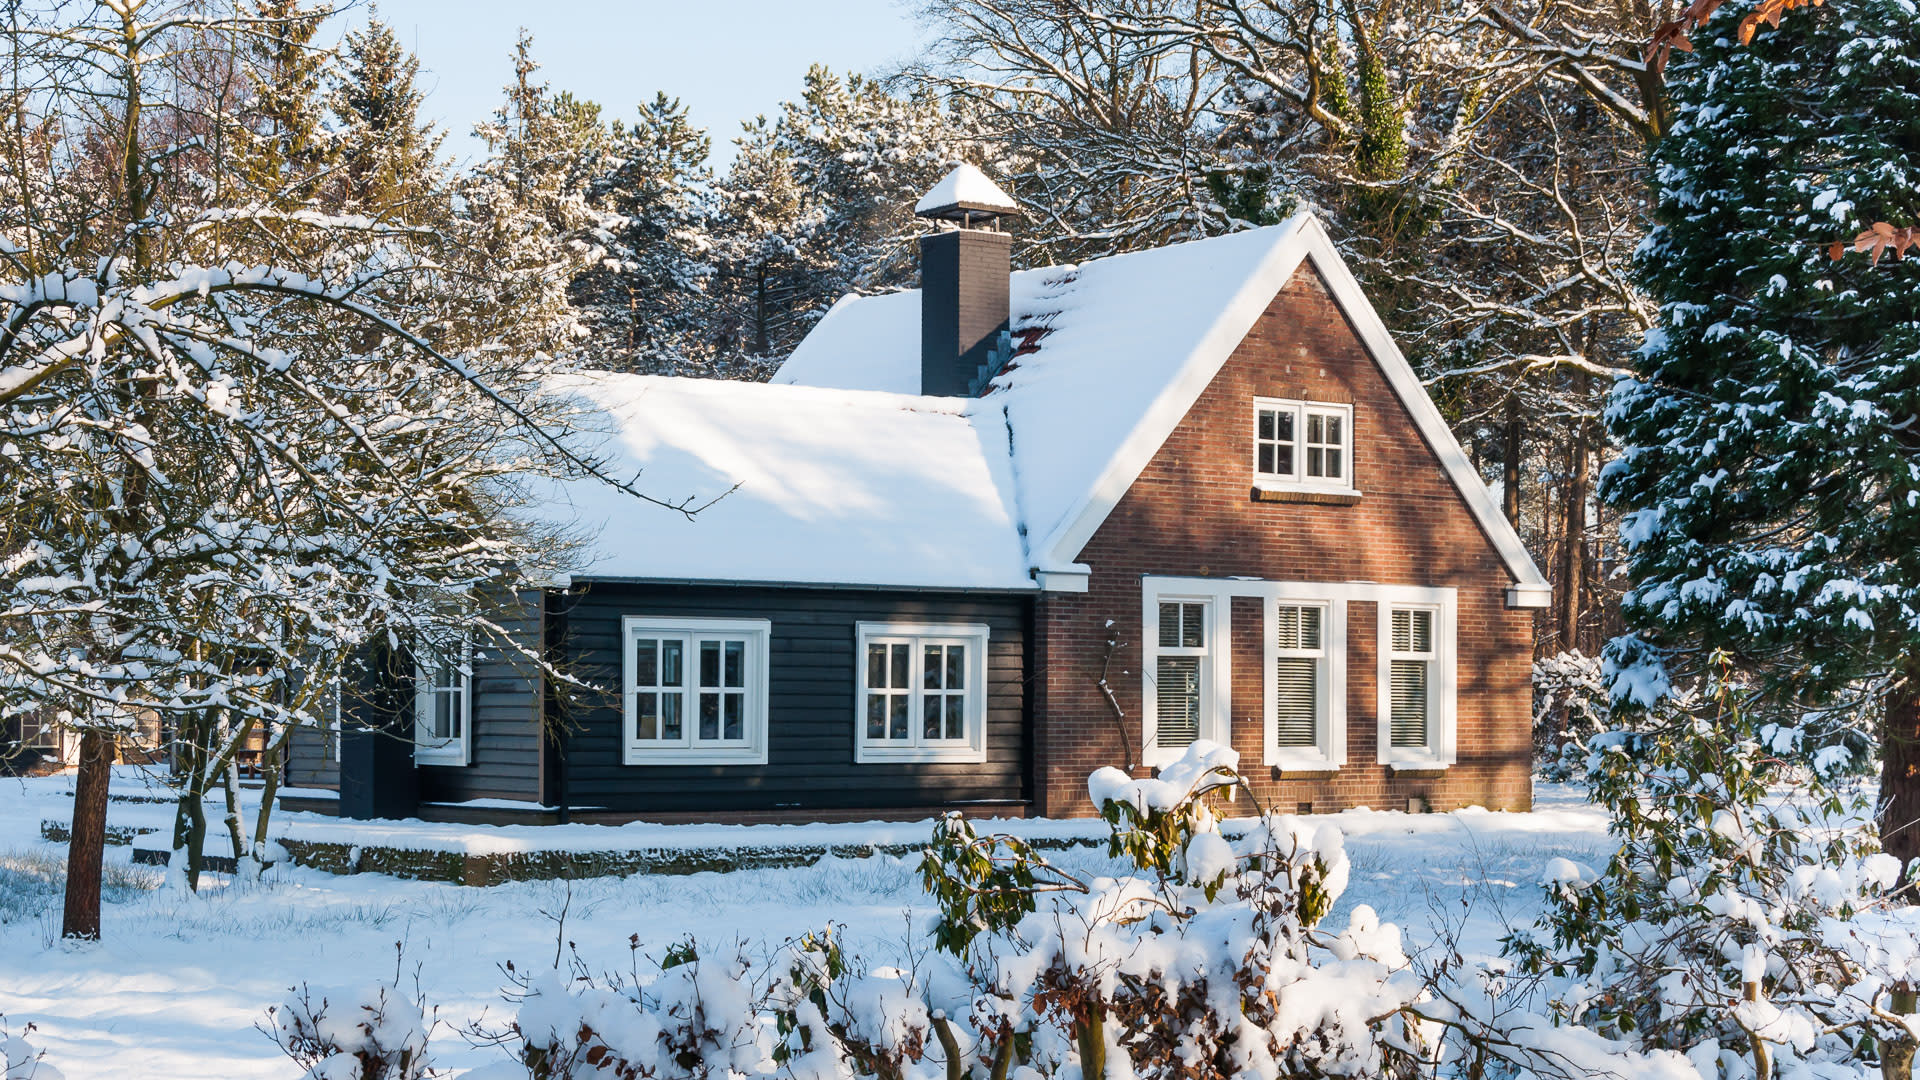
<point x="388" y="156"/>
<point x="283" y="151"/>
<point x="1767" y="483"/>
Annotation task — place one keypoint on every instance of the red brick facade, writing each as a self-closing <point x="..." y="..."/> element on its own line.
<point x="1191" y="513"/>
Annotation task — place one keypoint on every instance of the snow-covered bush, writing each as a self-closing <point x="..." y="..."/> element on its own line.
<point x="1570" y="707"/>
<point x="1745" y="919"/>
<point x="368" y="1032"/>
<point x="20" y="1060"/>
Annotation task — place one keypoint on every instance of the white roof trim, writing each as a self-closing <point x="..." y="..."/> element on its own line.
<point x="1306" y="240"/>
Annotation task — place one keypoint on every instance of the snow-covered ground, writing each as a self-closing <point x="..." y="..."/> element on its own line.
<point x="179" y="982"/>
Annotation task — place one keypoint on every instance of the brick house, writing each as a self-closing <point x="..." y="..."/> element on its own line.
<point x="982" y="538"/>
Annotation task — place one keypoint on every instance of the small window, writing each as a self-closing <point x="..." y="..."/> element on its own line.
<point x="1180" y="669"/>
<point x="39" y="733"/>
<point x="921" y="693"/>
<point x="696" y="691"/>
<point x="1410" y="669"/>
<point x="1300" y="677"/>
<point x="442" y="704"/>
<point x="1303" y="444"/>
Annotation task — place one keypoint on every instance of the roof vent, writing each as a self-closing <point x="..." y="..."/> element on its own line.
<point x="963" y="284"/>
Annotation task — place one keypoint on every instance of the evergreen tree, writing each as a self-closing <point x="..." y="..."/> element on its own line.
<point x="1771" y="472"/>
<point x="388" y="157"/>
<point x="645" y="301"/>
<point x="284" y="148"/>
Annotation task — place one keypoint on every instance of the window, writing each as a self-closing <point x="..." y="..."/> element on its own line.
<point x="39" y="733"/>
<point x="1181" y="707"/>
<point x="442" y="705"/>
<point x="922" y="692"/>
<point x="1301" y="685"/>
<point x="1303" y="444"/>
<point x="695" y="691"/>
<point x="1416" y="684"/>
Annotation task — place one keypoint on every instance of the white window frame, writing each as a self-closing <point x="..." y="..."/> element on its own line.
<point x="970" y="750"/>
<point x="1216" y="674"/>
<point x="1297" y="479"/>
<point x="1329" y="751"/>
<point x="1442" y="679"/>
<point x="690" y="749"/>
<point x="455" y="751"/>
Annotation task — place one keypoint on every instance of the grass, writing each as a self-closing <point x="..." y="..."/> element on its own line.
<point x="33" y="880"/>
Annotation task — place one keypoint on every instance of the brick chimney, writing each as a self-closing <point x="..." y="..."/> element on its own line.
<point x="963" y="284"/>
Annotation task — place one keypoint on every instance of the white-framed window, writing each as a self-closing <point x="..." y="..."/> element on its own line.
<point x="1185" y="666"/>
<point x="443" y="703"/>
<point x="1306" y="680"/>
<point x="1416" y="679"/>
<point x="1303" y="444"/>
<point x="922" y="693"/>
<point x="39" y="733"/>
<point x="695" y="691"/>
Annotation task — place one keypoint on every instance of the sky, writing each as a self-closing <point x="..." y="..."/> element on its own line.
<point x="728" y="60"/>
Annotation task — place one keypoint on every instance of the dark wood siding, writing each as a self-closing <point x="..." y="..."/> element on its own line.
<point x="504" y="760"/>
<point x="310" y="762"/>
<point x="811" y="707"/>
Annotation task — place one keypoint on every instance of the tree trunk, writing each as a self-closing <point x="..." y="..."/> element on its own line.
<point x="1573" y="562"/>
<point x="1510" y="468"/>
<point x="1896" y="1054"/>
<point x="1900" y="770"/>
<point x="87" y="840"/>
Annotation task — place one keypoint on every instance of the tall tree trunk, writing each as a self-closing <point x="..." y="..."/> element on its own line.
<point x="762" y="340"/>
<point x="87" y="838"/>
<point x="1573" y="555"/>
<point x="1510" y="467"/>
<point x="1900" y="769"/>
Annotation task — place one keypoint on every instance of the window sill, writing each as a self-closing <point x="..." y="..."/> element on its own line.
<point x="966" y="755"/>
<point x="440" y="759"/>
<point x="1265" y="491"/>
<point x="1303" y="767"/>
<point x="635" y="755"/>
<point x="1427" y="767"/>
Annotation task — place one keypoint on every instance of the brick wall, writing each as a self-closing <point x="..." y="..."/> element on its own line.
<point x="1191" y="513"/>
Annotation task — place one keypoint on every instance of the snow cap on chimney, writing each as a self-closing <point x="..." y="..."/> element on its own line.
<point x="966" y="195"/>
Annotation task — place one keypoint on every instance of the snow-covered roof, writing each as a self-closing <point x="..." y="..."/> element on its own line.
<point x="834" y="486"/>
<point x="848" y="476"/>
<point x="966" y="188"/>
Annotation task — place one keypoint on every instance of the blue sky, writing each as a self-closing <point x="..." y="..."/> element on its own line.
<point x="728" y="60"/>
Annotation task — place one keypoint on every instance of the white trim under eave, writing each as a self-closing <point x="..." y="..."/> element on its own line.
<point x="1305" y="239"/>
<point x="1073" y="579"/>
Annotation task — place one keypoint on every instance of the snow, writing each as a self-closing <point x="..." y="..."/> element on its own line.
<point x="812" y="485"/>
<point x="966" y="187"/>
<point x="179" y="982"/>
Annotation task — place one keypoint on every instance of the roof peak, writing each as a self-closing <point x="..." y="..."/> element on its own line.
<point x="964" y="193"/>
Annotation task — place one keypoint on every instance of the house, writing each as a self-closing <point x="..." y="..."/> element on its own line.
<point x="987" y="536"/>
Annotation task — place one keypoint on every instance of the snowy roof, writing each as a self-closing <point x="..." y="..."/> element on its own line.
<point x="834" y="486"/>
<point x="849" y="476"/>
<point x="965" y="188"/>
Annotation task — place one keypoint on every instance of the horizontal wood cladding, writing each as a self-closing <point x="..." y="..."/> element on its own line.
<point x="811" y="704"/>
<point x="505" y="759"/>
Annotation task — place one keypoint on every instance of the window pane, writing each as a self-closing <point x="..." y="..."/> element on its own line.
<point x="1286" y="628"/>
<point x="1333" y="465"/>
<point x="956" y="667"/>
<point x="876" y="666"/>
<point x="898" y="675"/>
<point x="646" y="708"/>
<point x="876" y="716"/>
<point x="1316" y="428"/>
<point x="931" y="668"/>
<point x="1333" y="431"/>
<point x="1266" y="425"/>
<point x="1192" y="619"/>
<point x="1422" y="631"/>
<point x="670" y="718"/>
<point x="671" y="657"/>
<point x="1283" y="460"/>
<point x="442" y="716"/>
<point x="732" y="723"/>
<point x="456" y="700"/>
<point x="710" y="715"/>
<point x="736" y="664"/>
<point x="1408" y="692"/>
<point x="1177" y="696"/>
<point x="1169" y="626"/>
<point x="709" y="663"/>
<point x="1310" y="627"/>
<point x="897" y="714"/>
<point x="956" y="717"/>
<point x="930" y="722"/>
<point x="1285" y="418"/>
<point x="646" y="662"/>
<point x="1316" y="462"/>
<point x="1402" y="634"/>
<point x="1297" y="701"/>
<point x="1266" y="458"/>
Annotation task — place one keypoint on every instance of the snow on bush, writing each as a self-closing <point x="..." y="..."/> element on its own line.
<point x="367" y="1032"/>
<point x="20" y="1060"/>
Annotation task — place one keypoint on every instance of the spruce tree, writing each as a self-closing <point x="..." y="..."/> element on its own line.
<point x="1770" y="480"/>
<point x="388" y="157"/>
<point x="284" y="148"/>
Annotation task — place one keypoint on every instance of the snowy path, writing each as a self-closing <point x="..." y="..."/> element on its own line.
<point x="180" y="981"/>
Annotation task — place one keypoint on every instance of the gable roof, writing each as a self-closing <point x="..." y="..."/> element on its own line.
<point x="849" y="476"/>
<point x="835" y="487"/>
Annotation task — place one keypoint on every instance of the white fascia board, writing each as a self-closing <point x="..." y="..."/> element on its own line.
<point x="1077" y="526"/>
<point x="1070" y="580"/>
<point x="1305" y="240"/>
<point x="1530" y="596"/>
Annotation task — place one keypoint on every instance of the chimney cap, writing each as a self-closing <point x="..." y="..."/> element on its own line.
<point x="964" y="195"/>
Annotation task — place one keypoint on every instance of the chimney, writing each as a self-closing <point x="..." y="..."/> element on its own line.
<point x="963" y="284"/>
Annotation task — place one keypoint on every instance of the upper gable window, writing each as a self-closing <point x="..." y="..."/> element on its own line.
<point x="1306" y="444"/>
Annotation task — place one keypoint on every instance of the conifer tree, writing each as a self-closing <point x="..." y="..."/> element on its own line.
<point x="1771" y="472"/>
<point x="388" y="156"/>
<point x="284" y="147"/>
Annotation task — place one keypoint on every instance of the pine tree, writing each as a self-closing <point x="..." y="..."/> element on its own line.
<point x="388" y="157"/>
<point x="646" y="302"/>
<point x="284" y="148"/>
<point x="1771" y="476"/>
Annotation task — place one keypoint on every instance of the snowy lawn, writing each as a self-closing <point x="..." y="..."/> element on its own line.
<point x="179" y="982"/>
